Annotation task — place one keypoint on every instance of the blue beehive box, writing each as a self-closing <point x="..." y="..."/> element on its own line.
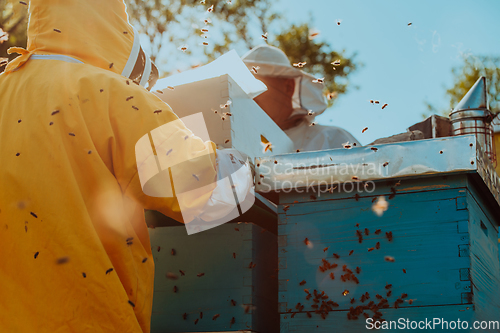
<point x="441" y="261"/>
<point x="229" y="271"/>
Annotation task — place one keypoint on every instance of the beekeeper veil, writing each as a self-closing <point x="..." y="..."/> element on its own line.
<point x="307" y="95"/>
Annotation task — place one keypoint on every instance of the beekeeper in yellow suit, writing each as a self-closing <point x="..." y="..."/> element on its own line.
<point x="74" y="247"/>
<point x="293" y="100"/>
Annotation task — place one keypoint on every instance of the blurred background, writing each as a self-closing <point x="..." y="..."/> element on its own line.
<point x="419" y="57"/>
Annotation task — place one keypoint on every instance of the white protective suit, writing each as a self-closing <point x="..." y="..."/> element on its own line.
<point x="307" y="96"/>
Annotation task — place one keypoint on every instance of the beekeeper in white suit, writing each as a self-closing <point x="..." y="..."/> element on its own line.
<point x="291" y="98"/>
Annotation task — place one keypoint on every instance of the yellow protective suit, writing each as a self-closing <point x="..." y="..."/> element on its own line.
<point x="74" y="247"/>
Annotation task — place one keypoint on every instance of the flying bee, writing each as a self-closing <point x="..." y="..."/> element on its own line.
<point x="182" y="272"/>
<point x="202" y="2"/>
<point x="364" y="129"/>
<point x="210" y="9"/>
<point x="377" y="231"/>
<point x="144" y="260"/>
<point x="158" y="248"/>
<point x="331" y="96"/>
<point x="303" y="282"/>
<point x="234" y="255"/>
<point x="312" y="124"/>
<point x="62" y="260"/>
<point x="336" y="62"/>
<point x="201" y="315"/>
<point x="267" y="146"/>
<point x="255" y="69"/>
<point x="389" y="235"/>
<point x="356" y="178"/>
<point x="135" y="108"/>
<point x="320" y="80"/>
<point x="358" y="270"/>
<point x="264" y="36"/>
<point x="204" y="43"/>
<point x="170" y="87"/>
<point x="367" y="232"/>
<point x="339" y="21"/>
<point x="171" y="276"/>
<point x="332" y="276"/>
<point x="173" y="252"/>
<point x="377" y="102"/>
<point x="109" y="270"/>
<point x="404" y="270"/>
<point x="389" y="293"/>
<point x="352" y="251"/>
<point x="232" y="322"/>
<point x="310" y="113"/>
<point x="196" y="321"/>
<point x="336" y="255"/>
<point x="384" y="106"/>
<point x="36" y="254"/>
<point x="409" y="23"/>
<point x="226" y="105"/>
<point x="207" y="21"/>
<point x="377" y="246"/>
<point x="215" y="316"/>
<point x="196" y="177"/>
<point x="347" y="145"/>
<point x="157" y="111"/>
<point x="159" y="92"/>
<point x="345" y="292"/>
<point x="175" y="289"/>
<point x="325" y="249"/>
<point x="389" y="259"/>
<point x="72" y="134"/>
<point x="204" y="30"/>
<point x="371" y="249"/>
<point x="200" y="275"/>
<point x="299" y="64"/>
<point x="371" y="101"/>
<point x="313" y="34"/>
<point x="183" y="48"/>
<point x="226" y="141"/>
<point x="308" y="314"/>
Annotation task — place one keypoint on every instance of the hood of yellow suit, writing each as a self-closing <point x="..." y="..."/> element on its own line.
<point x="95" y="32"/>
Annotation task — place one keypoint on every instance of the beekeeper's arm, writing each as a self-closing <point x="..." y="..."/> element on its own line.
<point x="160" y="163"/>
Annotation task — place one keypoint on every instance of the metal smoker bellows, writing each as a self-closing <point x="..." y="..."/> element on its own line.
<point x="471" y="116"/>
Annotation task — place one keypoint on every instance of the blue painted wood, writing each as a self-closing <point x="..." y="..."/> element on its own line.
<point x="433" y="238"/>
<point x="336" y="322"/>
<point x="225" y="278"/>
<point x="485" y="267"/>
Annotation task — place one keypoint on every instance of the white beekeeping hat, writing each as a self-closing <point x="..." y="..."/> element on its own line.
<point x="307" y="96"/>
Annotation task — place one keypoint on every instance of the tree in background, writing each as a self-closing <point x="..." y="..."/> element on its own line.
<point x="466" y="75"/>
<point x="13" y="23"/>
<point x="237" y="24"/>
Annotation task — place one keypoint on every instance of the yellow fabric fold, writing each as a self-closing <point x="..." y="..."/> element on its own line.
<point x="18" y="61"/>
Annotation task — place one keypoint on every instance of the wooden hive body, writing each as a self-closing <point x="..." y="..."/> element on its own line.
<point x="225" y="278"/>
<point x="445" y="231"/>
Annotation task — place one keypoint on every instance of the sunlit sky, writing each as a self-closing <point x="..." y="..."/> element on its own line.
<point x="404" y="66"/>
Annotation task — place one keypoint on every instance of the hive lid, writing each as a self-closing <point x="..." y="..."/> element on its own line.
<point x="387" y="161"/>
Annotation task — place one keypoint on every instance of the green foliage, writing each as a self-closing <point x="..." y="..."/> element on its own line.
<point x="297" y="45"/>
<point x="466" y="75"/>
<point x="13" y="20"/>
<point x="171" y="23"/>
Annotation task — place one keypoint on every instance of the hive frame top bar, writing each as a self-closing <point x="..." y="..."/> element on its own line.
<point x="378" y="162"/>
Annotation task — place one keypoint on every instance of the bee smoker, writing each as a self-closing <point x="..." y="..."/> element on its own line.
<point x="471" y="116"/>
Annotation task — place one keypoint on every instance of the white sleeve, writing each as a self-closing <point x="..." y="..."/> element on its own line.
<point x="233" y="194"/>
